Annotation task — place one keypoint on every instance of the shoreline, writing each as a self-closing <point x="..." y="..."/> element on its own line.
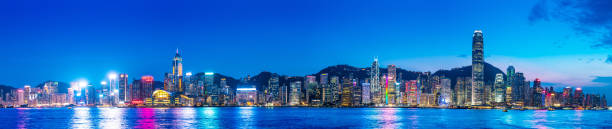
<point x="70" y="107"/>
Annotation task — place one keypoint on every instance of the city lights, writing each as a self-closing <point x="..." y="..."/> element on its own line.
<point x="112" y="76"/>
<point x="343" y="87"/>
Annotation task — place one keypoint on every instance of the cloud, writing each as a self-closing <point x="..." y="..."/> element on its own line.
<point x="606" y="81"/>
<point x="609" y="60"/>
<point x="462" y="56"/>
<point x="561" y="70"/>
<point x="587" y="17"/>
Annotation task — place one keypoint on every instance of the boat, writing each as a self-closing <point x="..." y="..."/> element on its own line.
<point x="550" y="109"/>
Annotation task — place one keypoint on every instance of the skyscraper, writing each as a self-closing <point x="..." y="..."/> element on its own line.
<point x="375" y="87"/>
<point x="211" y="91"/>
<point x="499" y="88"/>
<point x="390" y="84"/>
<point x="326" y="88"/>
<point x="312" y="96"/>
<point x="273" y="89"/>
<point x="445" y="92"/>
<point x="177" y="73"/>
<point x="413" y="93"/>
<point x="477" y="68"/>
<point x="294" y="95"/>
<point x="365" y="95"/>
<point x="347" y="88"/>
<point x="123" y="88"/>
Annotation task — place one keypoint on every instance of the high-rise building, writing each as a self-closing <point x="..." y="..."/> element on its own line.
<point x="356" y="93"/>
<point x="413" y="93"/>
<point x="445" y="92"/>
<point x="334" y="83"/>
<point x="538" y="96"/>
<point x="578" y="98"/>
<point x="312" y="91"/>
<point x="143" y="91"/>
<point x="211" y="91"/>
<point x="375" y="87"/>
<point x="325" y="89"/>
<point x="190" y="84"/>
<point x="294" y="95"/>
<point x="477" y="68"/>
<point x="390" y="84"/>
<point x="365" y="93"/>
<point x="566" y="97"/>
<point x="347" y="96"/>
<point x="273" y="89"/>
<point x="123" y="88"/>
<point x="177" y="73"/>
<point x="499" y="88"/>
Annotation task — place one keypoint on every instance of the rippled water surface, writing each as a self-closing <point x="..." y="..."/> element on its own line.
<point x="253" y="117"/>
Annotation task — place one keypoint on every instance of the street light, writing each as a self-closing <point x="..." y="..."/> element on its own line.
<point x="103" y="83"/>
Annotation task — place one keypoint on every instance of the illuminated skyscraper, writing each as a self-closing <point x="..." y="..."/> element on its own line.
<point x="143" y="90"/>
<point x="578" y="98"/>
<point x="294" y="95"/>
<point x="273" y="89"/>
<point x="499" y="88"/>
<point x="211" y="91"/>
<point x="390" y="84"/>
<point x="123" y="88"/>
<point x="375" y="87"/>
<point x="177" y="73"/>
<point x="566" y="97"/>
<point x="365" y="94"/>
<point x="477" y="68"/>
<point x="356" y="93"/>
<point x="445" y="92"/>
<point x="326" y="88"/>
<point x="347" y="88"/>
<point x="334" y="83"/>
<point x="413" y="92"/>
<point x="538" y="97"/>
<point x="190" y="84"/>
<point x="311" y="90"/>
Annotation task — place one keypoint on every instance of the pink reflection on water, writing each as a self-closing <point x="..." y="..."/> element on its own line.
<point x="388" y="118"/>
<point x="22" y="115"/>
<point x="146" y="118"/>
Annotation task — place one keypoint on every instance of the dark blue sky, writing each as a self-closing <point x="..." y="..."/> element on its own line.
<point x="71" y="40"/>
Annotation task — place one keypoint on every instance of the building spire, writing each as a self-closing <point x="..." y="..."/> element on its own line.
<point x="177" y="52"/>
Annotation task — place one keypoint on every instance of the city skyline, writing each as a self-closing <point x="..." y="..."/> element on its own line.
<point x="550" y="49"/>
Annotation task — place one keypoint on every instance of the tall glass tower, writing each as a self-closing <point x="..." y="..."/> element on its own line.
<point x="177" y="73"/>
<point x="477" y="68"/>
<point x="375" y="86"/>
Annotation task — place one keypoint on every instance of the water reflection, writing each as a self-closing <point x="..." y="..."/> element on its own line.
<point x="254" y="117"/>
<point x="146" y="118"/>
<point x="184" y="117"/>
<point x="81" y="118"/>
<point x="247" y="117"/>
<point x="387" y="118"/>
<point x="210" y="117"/>
<point x="22" y="116"/>
<point x="539" y="117"/>
<point x="112" y="118"/>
